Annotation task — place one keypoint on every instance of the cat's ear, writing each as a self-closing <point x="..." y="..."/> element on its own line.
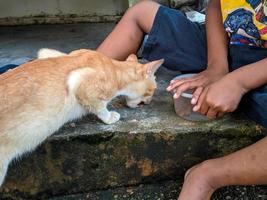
<point x="153" y="66"/>
<point x="132" y="58"/>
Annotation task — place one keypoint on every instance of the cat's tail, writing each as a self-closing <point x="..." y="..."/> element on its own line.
<point x="49" y="53"/>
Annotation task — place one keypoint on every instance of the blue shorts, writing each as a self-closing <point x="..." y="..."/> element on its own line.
<point x="179" y="41"/>
<point x="182" y="44"/>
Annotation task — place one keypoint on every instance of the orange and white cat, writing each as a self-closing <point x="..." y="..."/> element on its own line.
<point x="38" y="97"/>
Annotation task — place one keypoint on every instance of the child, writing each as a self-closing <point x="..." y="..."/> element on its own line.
<point x="230" y="52"/>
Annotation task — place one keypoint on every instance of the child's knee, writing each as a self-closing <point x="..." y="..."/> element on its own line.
<point x="141" y="8"/>
<point x="143" y="14"/>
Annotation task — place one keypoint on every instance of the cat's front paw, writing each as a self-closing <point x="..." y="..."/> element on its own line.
<point x="114" y="117"/>
<point x="133" y="103"/>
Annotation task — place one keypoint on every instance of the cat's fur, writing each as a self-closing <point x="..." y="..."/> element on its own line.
<point x="38" y="97"/>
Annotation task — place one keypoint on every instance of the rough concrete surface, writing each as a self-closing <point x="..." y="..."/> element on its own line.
<point x="167" y="191"/>
<point x="149" y="145"/>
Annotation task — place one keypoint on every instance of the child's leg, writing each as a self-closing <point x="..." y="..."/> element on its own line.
<point x="245" y="167"/>
<point x="128" y="34"/>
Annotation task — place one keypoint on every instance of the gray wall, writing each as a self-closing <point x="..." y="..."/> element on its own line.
<point x="57" y="11"/>
<point x="22" y="12"/>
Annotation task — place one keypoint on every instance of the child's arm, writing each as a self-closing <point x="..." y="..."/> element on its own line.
<point x="224" y="95"/>
<point x="217" y="55"/>
<point x="251" y="76"/>
<point x="217" y="39"/>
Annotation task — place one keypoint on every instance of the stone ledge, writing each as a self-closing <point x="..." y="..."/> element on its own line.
<point x="150" y="144"/>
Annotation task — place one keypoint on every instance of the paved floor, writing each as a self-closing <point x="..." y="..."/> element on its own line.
<point x="167" y="191"/>
<point x="20" y="43"/>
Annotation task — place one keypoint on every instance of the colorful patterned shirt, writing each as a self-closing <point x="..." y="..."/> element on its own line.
<point x="246" y="21"/>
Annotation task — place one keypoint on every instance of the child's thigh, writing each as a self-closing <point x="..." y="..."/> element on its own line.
<point x="254" y="104"/>
<point x="179" y="41"/>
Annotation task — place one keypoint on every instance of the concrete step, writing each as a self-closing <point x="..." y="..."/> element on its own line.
<point x="149" y="144"/>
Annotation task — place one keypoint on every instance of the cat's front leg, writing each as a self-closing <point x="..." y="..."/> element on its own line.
<point x="95" y="104"/>
<point x="108" y="117"/>
<point x="99" y="108"/>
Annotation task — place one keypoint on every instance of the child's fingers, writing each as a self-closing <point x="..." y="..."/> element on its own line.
<point x="196" y="95"/>
<point x="204" y="108"/>
<point x="200" y="101"/>
<point x="181" y="80"/>
<point x="197" y="107"/>
<point x="184" y="87"/>
<point x="212" y="113"/>
<point x="220" y="114"/>
<point x="175" y="83"/>
<point x="176" y="95"/>
<point x="181" y="87"/>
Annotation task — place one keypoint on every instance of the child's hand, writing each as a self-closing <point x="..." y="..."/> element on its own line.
<point x="220" y="97"/>
<point x="197" y="82"/>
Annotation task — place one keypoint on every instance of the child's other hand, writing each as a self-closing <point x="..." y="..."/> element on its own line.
<point x="197" y="82"/>
<point x="220" y="97"/>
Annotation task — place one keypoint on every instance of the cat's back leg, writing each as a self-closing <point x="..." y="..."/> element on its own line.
<point x="8" y="151"/>
<point x="3" y="171"/>
<point x="4" y="161"/>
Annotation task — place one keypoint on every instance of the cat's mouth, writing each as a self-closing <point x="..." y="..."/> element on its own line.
<point x="146" y="101"/>
<point x="142" y="103"/>
<point x="135" y="103"/>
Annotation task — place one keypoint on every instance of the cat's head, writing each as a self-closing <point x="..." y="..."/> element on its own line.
<point x="143" y="88"/>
